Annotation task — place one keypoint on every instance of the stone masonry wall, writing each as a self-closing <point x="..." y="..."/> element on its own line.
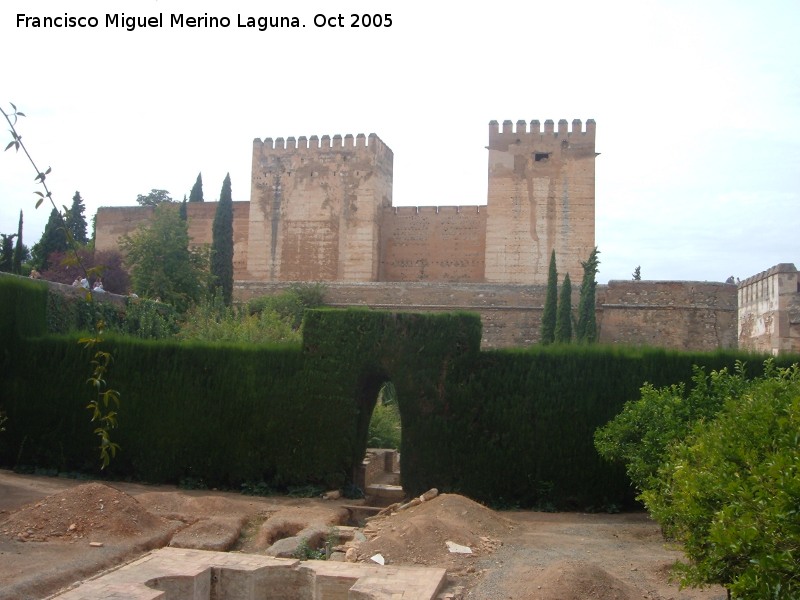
<point x="541" y="197"/>
<point x="315" y="208"/>
<point x="115" y="222"/>
<point x="684" y="315"/>
<point x="680" y="315"/>
<point x="769" y="311"/>
<point x="433" y="243"/>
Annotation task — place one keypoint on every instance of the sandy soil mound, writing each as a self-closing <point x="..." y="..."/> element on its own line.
<point x="418" y="535"/>
<point x="565" y="580"/>
<point x="84" y="511"/>
<point x="176" y="506"/>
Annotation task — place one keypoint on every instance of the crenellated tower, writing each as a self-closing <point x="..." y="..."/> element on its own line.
<point x="540" y="198"/>
<point x="315" y="208"/>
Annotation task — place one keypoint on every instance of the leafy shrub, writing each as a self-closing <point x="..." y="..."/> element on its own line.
<point x="212" y="321"/>
<point x="257" y="488"/>
<point x="384" y="426"/>
<point x="74" y="313"/>
<point x="292" y="303"/>
<point x="727" y="482"/>
<point x="731" y="492"/>
<point x="148" y="319"/>
<point x="642" y="433"/>
<point x="306" y="552"/>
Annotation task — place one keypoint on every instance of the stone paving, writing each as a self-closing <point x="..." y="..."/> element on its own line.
<point x="183" y="574"/>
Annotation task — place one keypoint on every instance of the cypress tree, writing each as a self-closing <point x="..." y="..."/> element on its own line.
<point x="196" y="195"/>
<point x="53" y="240"/>
<point x="586" y="331"/>
<point x="222" y="243"/>
<point x="76" y="220"/>
<point x="548" y="331"/>
<point x="19" y="250"/>
<point x="7" y="252"/>
<point x="182" y="211"/>
<point x="564" y="317"/>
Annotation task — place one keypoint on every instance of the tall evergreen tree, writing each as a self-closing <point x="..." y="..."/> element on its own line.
<point x="7" y="252"/>
<point x="76" y="219"/>
<point x="222" y="243"/>
<point x="564" y="316"/>
<point x="548" y="331"/>
<point x="196" y="195"/>
<point x="182" y="211"/>
<point x="52" y="240"/>
<point x="586" y="330"/>
<point x="19" y="250"/>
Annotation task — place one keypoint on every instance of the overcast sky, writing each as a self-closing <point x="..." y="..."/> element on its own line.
<point x="697" y="106"/>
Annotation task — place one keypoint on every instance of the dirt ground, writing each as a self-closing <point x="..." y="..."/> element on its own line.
<point x="55" y="532"/>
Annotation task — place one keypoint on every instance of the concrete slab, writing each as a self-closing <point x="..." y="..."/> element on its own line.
<point x="183" y="574"/>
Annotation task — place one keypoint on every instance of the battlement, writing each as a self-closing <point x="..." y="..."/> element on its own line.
<point x="781" y="268"/>
<point x="450" y="209"/>
<point x="521" y="129"/>
<point x="326" y="142"/>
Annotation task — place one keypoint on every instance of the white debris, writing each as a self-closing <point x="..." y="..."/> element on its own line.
<point x="378" y="558"/>
<point x="458" y="548"/>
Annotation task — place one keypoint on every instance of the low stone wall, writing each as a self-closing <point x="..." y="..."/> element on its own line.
<point x="684" y="315"/>
<point x="376" y="464"/>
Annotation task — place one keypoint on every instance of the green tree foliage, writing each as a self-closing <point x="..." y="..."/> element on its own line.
<point x="212" y="321"/>
<point x="20" y="251"/>
<point x="730" y="491"/>
<point x="384" y="425"/>
<point x="160" y="262"/>
<point x="53" y="240"/>
<point x="7" y="252"/>
<point x="154" y="198"/>
<point x="76" y="220"/>
<point x="548" y="331"/>
<point x="637" y="274"/>
<point x="196" y="195"/>
<point x="183" y="213"/>
<point x="291" y="303"/>
<point x="563" y="334"/>
<point x="149" y="320"/>
<point x="222" y="243"/>
<point x="642" y="434"/>
<point x="586" y="330"/>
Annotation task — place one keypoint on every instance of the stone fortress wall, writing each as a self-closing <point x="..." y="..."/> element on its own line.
<point x="321" y="211"/>
<point x="769" y="310"/>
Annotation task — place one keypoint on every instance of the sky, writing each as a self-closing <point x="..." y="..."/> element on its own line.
<point x="697" y="104"/>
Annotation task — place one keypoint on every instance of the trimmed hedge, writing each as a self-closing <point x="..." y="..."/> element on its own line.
<point x="23" y="304"/>
<point x="505" y="427"/>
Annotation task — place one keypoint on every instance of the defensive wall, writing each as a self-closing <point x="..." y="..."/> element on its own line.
<point x="115" y="223"/>
<point x="541" y="198"/>
<point x="769" y="311"/>
<point x="321" y="210"/>
<point x="315" y="207"/>
<point x="686" y="315"/>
